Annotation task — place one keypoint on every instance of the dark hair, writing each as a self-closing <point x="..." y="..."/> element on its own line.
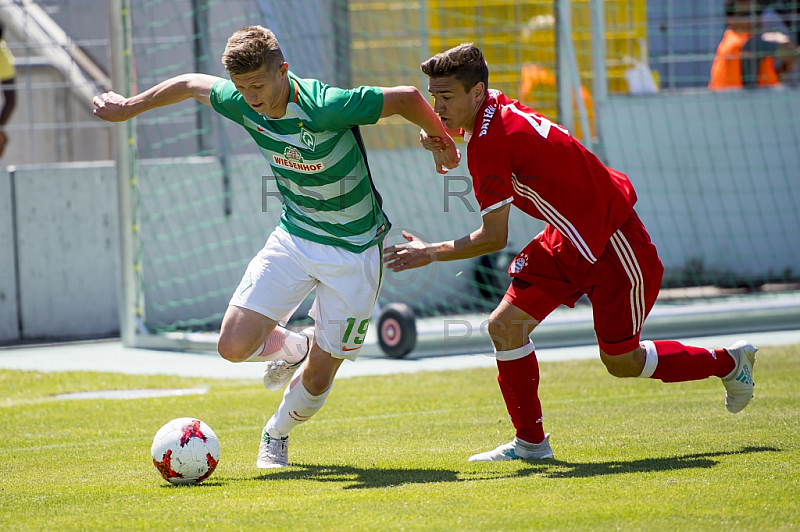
<point x="757" y="6"/>
<point x="465" y="62"/>
<point x="249" y="49"/>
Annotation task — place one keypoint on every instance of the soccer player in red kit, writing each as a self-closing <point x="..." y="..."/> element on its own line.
<point x="593" y="244"/>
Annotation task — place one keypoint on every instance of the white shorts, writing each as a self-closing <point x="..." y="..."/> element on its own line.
<point x="285" y="271"/>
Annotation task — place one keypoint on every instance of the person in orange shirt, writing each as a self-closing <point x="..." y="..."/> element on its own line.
<point x="742" y="60"/>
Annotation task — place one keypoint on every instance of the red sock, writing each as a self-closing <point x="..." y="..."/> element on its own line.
<point x="680" y="363"/>
<point x="519" y="382"/>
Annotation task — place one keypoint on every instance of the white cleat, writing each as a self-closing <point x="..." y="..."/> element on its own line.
<point x="279" y="372"/>
<point x="517" y="450"/>
<point x="739" y="384"/>
<point x="273" y="452"/>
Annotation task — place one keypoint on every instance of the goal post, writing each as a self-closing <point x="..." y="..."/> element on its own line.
<point x="125" y="143"/>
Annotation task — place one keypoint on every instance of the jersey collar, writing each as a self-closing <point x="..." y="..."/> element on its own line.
<point x="485" y="114"/>
<point x="296" y="90"/>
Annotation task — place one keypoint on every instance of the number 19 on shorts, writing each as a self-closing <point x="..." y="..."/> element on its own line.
<point x="357" y="334"/>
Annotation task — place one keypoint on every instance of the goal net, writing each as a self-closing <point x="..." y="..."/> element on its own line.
<point x="716" y="173"/>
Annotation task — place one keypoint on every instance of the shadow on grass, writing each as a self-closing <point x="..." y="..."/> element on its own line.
<point x="204" y="484"/>
<point x="560" y="469"/>
<point x="361" y="478"/>
<point x="377" y="477"/>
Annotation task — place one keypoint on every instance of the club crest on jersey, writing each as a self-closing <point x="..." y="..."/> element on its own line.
<point x="293" y="159"/>
<point x="308" y="139"/>
<point x="520" y="262"/>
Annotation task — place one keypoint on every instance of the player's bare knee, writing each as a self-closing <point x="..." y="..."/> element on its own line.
<point x="497" y="329"/>
<point x="231" y="350"/>
<point x="498" y="323"/>
<point x="619" y="370"/>
<point x="624" y="365"/>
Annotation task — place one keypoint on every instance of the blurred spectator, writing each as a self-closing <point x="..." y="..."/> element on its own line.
<point x="536" y="83"/>
<point x="746" y="55"/>
<point x="783" y="17"/>
<point x="7" y="75"/>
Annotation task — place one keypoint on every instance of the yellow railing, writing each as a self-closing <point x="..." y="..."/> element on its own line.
<point x="390" y="39"/>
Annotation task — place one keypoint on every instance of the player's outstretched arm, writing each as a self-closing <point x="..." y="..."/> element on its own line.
<point x="490" y="237"/>
<point x="114" y="107"/>
<point x="409" y="103"/>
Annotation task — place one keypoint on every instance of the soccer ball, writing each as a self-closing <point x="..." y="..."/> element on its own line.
<point x="185" y="451"/>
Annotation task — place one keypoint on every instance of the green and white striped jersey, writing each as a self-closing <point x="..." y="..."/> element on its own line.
<point x="318" y="159"/>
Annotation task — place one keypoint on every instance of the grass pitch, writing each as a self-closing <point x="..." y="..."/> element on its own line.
<point x="389" y="453"/>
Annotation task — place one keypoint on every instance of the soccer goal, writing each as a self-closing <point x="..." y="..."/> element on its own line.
<point x="716" y="174"/>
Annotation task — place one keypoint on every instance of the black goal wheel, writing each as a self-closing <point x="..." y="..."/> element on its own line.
<point x="397" y="330"/>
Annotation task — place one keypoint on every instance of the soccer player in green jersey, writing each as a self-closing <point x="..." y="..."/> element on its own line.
<point x="331" y="226"/>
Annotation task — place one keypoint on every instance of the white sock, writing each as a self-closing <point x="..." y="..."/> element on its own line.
<point x="281" y="343"/>
<point x="297" y="407"/>
<point x="651" y="359"/>
<point x="515" y="354"/>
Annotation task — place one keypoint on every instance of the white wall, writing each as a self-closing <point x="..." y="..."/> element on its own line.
<point x="9" y="329"/>
<point x="717" y="174"/>
<point x="67" y="255"/>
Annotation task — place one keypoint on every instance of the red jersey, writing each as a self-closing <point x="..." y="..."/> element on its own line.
<point x="515" y="155"/>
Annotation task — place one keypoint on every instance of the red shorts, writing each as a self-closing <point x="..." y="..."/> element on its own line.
<point x="622" y="284"/>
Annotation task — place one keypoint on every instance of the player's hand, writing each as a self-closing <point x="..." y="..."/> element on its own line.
<point x="414" y="254"/>
<point x="445" y="154"/>
<point x="112" y="107"/>
<point x="446" y="160"/>
<point x="434" y="144"/>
